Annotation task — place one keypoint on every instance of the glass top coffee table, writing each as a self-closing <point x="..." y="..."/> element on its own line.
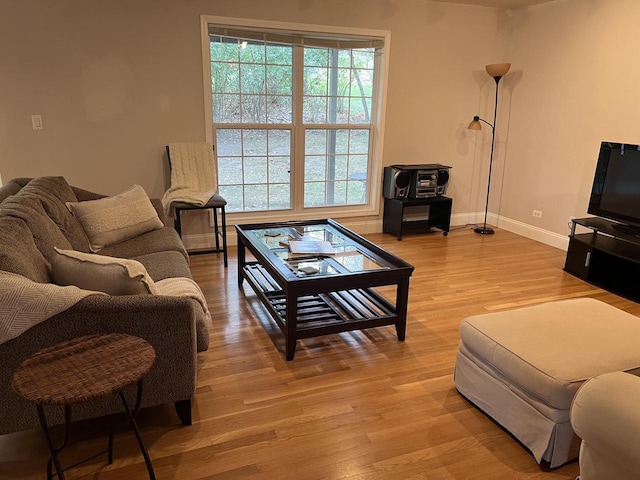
<point x="309" y="295"/>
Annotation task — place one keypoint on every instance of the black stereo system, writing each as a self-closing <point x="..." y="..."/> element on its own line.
<point x="415" y="181"/>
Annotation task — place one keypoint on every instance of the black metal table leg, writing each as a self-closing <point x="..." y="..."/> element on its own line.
<point x="52" y="449"/>
<point x="132" y="414"/>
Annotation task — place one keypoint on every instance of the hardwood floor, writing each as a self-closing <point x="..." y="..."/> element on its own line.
<point x="358" y="405"/>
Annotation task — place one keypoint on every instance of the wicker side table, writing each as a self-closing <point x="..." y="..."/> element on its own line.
<point x="82" y="370"/>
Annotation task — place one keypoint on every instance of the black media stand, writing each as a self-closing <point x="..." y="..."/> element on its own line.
<point x="608" y="256"/>
<point x="402" y="214"/>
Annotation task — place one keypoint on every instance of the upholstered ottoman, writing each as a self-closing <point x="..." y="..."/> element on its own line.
<point x="523" y="367"/>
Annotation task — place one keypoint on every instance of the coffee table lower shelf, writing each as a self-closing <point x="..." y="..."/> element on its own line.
<point x="321" y="313"/>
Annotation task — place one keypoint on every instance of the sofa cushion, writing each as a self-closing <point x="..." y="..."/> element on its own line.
<point x="165" y="239"/>
<point x="18" y="251"/>
<point x="114" y="219"/>
<point x="115" y="276"/>
<point x="53" y="193"/>
<point x="161" y="265"/>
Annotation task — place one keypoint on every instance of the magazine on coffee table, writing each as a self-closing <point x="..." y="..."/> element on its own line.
<point x="311" y="247"/>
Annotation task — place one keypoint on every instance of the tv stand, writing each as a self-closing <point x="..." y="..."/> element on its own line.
<point x="607" y="256"/>
<point x="627" y="229"/>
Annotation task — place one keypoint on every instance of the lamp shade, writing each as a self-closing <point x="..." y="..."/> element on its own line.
<point x="475" y="124"/>
<point x="498" y="69"/>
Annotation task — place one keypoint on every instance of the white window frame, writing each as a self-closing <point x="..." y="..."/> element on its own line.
<point x="372" y="205"/>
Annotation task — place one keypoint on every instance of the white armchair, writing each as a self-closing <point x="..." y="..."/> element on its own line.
<point x="605" y="414"/>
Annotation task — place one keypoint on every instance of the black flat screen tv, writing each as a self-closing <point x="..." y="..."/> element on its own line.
<point x="615" y="194"/>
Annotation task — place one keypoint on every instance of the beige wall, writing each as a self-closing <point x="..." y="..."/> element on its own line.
<point x="579" y="85"/>
<point x="115" y="81"/>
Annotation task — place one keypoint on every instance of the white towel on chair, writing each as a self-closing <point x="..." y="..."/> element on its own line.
<point x="193" y="174"/>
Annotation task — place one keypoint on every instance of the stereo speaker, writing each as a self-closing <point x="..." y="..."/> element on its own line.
<point x="443" y="180"/>
<point x="396" y="182"/>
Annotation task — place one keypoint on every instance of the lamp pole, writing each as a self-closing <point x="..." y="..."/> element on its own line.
<point x="497" y="71"/>
<point x="484" y="230"/>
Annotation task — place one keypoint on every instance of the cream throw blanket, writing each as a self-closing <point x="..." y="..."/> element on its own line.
<point x="25" y="303"/>
<point x="183" y="287"/>
<point x="193" y="175"/>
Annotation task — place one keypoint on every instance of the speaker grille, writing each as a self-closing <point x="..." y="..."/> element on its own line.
<point x="403" y="179"/>
<point x="443" y="177"/>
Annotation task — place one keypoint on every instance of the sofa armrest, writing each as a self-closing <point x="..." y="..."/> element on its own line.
<point x="167" y="323"/>
<point x="605" y="415"/>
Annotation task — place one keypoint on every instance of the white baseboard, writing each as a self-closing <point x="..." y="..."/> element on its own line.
<point x="544" y="236"/>
<point x="365" y="226"/>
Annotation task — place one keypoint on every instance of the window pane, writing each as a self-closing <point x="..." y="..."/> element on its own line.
<point x="254" y="108"/>
<point x="360" y="110"/>
<point x="315" y="110"/>
<point x="233" y="194"/>
<point x="315" y="168"/>
<point x="279" y="169"/>
<point x="229" y="170"/>
<point x="255" y="197"/>
<point x="223" y="51"/>
<point x="315" y="142"/>
<point x="252" y="78"/>
<point x="279" y="109"/>
<point x="359" y="141"/>
<point x="279" y="55"/>
<point x="228" y="142"/>
<point x="364" y="58"/>
<point x="316" y="57"/>
<point x="314" y="193"/>
<point x="342" y="141"/>
<point x="226" y="108"/>
<point x="362" y="83"/>
<point x="315" y="81"/>
<point x="252" y="52"/>
<point x="341" y="167"/>
<point x="255" y="142"/>
<point x="339" y="193"/>
<point x="344" y="58"/>
<point x="356" y="191"/>
<point x="279" y="142"/>
<point x="357" y="164"/>
<point x="255" y="170"/>
<point x="225" y="77"/>
<point x="279" y="80"/>
<point x="279" y="196"/>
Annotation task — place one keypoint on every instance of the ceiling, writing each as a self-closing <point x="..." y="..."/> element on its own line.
<point x="499" y="3"/>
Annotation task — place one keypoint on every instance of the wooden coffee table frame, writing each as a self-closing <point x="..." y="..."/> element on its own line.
<point x="315" y="305"/>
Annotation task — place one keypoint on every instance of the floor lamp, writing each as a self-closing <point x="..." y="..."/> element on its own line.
<point x="497" y="71"/>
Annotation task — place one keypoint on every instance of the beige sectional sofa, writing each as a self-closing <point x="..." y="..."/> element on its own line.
<point x="35" y="220"/>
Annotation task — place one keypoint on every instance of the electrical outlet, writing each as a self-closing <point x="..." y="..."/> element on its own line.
<point x="537" y="213"/>
<point x="36" y="122"/>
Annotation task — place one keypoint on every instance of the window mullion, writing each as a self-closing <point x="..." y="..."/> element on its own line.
<point x="298" y="134"/>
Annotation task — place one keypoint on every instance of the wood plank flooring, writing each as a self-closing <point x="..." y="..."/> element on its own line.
<point x="356" y="406"/>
